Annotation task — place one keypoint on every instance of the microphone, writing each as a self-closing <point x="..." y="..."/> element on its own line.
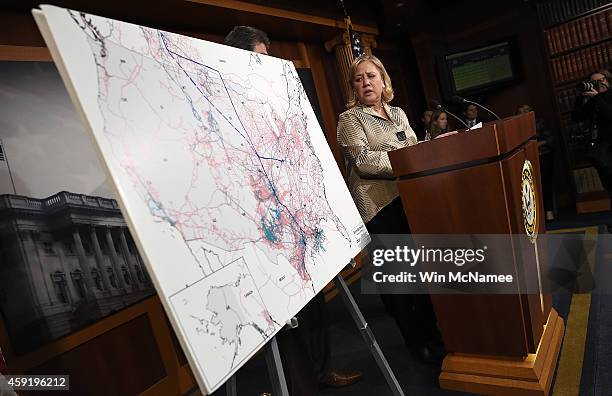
<point x="437" y="106"/>
<point x="459" y="100"/>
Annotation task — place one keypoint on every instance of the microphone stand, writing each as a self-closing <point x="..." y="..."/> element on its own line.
<point x="437" y="106"/>
<point x="482" y="107"/>
<point x="456" y="118"/>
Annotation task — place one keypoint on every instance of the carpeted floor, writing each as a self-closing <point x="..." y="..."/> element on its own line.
<point x="596" y="376"/>
<point x="584" y="367"/>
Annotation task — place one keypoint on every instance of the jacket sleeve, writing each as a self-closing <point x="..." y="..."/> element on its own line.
<point x="353" y="141"/>
<point x="585" y="108"/>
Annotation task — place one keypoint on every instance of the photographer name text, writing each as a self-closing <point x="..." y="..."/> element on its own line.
<point x="435" y="277"/>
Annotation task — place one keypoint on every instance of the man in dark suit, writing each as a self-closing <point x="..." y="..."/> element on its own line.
<point x="470" y="115"/>
<point x="305" y="350"/>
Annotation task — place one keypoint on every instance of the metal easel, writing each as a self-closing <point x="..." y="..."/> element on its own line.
<point x="275" y="366"/>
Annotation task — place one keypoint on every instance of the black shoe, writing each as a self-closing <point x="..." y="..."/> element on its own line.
<point x="438" y="348"/>
<point x="428" y="354"/>
<point x="339" y="379"/>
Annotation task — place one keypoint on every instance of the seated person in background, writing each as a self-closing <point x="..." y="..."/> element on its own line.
<point x="439" y="123"/>
<point x="470" y="115"/>
<point x="305" y="351"/>
<point x="426" y="120"/>
<point x="366" y="132"/>
<point x="545" y="148"/>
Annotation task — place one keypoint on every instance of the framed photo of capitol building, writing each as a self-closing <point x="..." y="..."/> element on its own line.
<point x="66" y="254"/>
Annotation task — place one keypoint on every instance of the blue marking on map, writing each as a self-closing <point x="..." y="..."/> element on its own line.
<point x="269" y="229"/>
<point x="319" y="238"/>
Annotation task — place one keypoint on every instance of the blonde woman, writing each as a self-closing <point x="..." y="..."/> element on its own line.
<point x="367" y="131"/>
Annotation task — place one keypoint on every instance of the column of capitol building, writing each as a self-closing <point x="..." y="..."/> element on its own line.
<point x="65" y="261"/>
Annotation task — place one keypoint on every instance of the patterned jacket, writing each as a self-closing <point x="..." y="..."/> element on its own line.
<point x="365" y="138"/>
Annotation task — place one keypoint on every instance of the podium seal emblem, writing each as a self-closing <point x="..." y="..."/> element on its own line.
<point x="529" y="203"/>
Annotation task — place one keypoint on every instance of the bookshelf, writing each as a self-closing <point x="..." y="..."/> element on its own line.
<point x="578" y="41"/>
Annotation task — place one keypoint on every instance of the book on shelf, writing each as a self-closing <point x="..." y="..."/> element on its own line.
<point x="602" y="24"/>
<point x="575" y="67"/>
<point x="581" y="32"/>
<point x="564" y="39"/>
<point x="564" y="69"/>
<point x="571" y="33"/>
<point x="549" y="43"/>
<point x="593" y="57"/>
<point x="557" y="40"/>
<point x="594" y="26"/>
<point x="584" y="31"/>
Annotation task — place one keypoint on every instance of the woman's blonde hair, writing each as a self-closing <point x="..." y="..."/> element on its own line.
<point x="387" y="92"/>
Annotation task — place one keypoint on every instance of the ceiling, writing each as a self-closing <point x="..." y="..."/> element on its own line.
<point x="191" y="16"/>
<point x="394" y="19"/>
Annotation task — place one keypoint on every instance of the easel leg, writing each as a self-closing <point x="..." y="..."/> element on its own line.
<point x="230" y="386"/>
<point x="275" y="369"/>
<point x="368" y="336"/>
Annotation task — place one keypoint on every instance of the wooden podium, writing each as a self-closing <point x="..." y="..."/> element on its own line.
<point x="473" y="183"/>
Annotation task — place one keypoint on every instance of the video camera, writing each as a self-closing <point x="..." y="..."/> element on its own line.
<point x="585" y="86"/>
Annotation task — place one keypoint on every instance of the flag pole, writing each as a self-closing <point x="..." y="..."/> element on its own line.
<point x="3" y="148"/>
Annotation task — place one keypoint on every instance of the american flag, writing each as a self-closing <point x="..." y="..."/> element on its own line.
<point x="2" y="156"/>
<point x="356" y="47"/>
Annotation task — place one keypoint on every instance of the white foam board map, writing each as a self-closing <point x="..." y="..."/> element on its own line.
<point x="222" y="172"/>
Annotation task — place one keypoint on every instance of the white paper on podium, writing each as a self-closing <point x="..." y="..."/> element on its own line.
<point x="479" y="125"/>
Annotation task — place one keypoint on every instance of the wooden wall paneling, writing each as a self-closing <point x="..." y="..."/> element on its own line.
<point x="201" y="15"/>
<point x="19" y="30"/>
<point x="314" y="55"/>
<point x="74" y="351"/>
<point x="426" y="47"/>
<point x="391" y="57"/>
<point x="179" y="377"/>
<point x="123" y="360"/>
<point x="24" y="53"/>
<point x="245" y="7"/>
<point x="285" y="49"/>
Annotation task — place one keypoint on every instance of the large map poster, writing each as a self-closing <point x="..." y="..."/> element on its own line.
<point x="223" y="173"/>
